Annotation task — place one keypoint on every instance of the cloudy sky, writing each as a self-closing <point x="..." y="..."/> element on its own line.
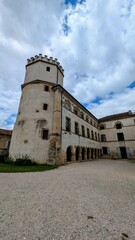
<point x="93" y="40"/>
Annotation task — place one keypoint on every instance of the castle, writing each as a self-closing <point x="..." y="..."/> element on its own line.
<point x="53" y="127"/>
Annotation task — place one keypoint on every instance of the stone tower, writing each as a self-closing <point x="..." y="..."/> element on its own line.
<point x="38" y="125"/>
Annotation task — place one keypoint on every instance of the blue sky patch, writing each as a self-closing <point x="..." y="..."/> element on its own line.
<point x="96" y="100"/>
<point x="65" y="26"/>
<point x="132" y="85"/>
<point x="73" y="2"/>
<point x="11" y="119"/>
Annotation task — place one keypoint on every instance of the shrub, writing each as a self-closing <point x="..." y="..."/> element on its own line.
<point x="24" y="160"/>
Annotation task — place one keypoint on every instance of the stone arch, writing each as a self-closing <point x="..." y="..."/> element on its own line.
<point x="70" y="154"/>
<point x="95" y="152"/>
<point x="88" y="153"/>
<point x="83" y="153"/>
<point x="91" y="153"/>
<point x="77" y="153"/>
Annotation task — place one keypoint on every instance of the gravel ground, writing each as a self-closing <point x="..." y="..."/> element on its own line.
<point x="80" y="201"/>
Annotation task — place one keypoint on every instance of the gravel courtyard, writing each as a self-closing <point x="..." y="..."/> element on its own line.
<point x="80" y="201"/>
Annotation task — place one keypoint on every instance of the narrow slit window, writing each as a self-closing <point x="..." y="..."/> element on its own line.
<point x="45" y="106"/>
<point x="68" y="124"/>
<point x="45" y="134"/>
<point x="46" y="88"/>
<point x="48" y="69"/>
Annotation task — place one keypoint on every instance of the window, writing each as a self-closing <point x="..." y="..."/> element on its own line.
<point x="103" y="138"/>
<point x="83" y="131"/>
<point x="68" y="105"/>
<point x="98" y="137"/>
<point x="68" y="124"/>
<point x="101" y="127"/>
<point x="120" y="136"/>
<point x="75" y="111"/>
<point x="87" y="119"/>
<point x="118" y="125"/>
<point x="45" y="134"/>
<point x="95" y="136"/>
<point x="76" y="128"/>
<point x="105" y="150"/>
<point x="92" y="135"/>
<point x="45" y="106"/>
<point x="46" y="88"/>
<point x="48" y="69"/>
<point x="82" y="115"/>
<point x="88" y="133"/>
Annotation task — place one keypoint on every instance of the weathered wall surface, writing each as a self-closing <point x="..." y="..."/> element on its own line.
<point x="70" y="138"/>
<point x="31" y="120"/>
<point x="112" y="143"/>
<point x="5" y="138"/>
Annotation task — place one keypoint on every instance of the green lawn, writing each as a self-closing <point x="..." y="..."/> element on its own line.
<point x="11" y="168"/>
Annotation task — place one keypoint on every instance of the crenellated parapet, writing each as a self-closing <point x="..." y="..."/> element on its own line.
<point x="46" y="59"/>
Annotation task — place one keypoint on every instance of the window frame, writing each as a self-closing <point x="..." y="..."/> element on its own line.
<point x="68" y="124"/>
<point x="45" y="134"/>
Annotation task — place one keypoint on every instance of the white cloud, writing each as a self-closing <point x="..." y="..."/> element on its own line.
<point x="118" y="103"/>
<point x="93" y="40"/>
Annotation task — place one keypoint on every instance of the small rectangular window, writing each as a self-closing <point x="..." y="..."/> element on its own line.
<point x="87" y="119"/>
<point x="92" y="134"/>
<point x="88" y="133"/>
<point x="68" y="124"/>
<point x="83" y="131"/>
<point x="48" y="69"/>
<point x="46" y="88"/>
<point x="120" y="136"/>
<point x="76" y="128"/>
<point x="45" y="134"/>
<point x="103" y="138"/>
<point x="82" y="115"/>
<point x="45" y="106"/>
<point x="95" y="136"/>
<point x="75" y="112"/>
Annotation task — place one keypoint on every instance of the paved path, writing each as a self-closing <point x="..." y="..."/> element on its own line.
<point x="80" y="201"/>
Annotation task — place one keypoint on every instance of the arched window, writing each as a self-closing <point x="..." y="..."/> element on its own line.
<point x="118" y="125"/>
<point x="68" y="105"/>
<point x="102" y="126"/>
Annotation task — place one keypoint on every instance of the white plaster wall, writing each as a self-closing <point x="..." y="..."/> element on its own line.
<point x="70" y="138"/>
<point x="128" y="130"/>
<point x="33" y="97"/>
<point x="37" y="71"/>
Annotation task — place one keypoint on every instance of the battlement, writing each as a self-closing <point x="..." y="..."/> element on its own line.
<point x="46" y="59"/>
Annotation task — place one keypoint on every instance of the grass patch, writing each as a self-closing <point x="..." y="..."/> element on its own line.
<point x="12" y="168"/>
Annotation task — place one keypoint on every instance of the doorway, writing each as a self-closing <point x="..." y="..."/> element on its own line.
<point x="123" y="152"/>
<point x="69" y="153"/>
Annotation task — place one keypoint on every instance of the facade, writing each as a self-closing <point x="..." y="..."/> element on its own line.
<point x="5" y="138"/>
<point x="52" y="126"/>
<point x="118" y="136"/>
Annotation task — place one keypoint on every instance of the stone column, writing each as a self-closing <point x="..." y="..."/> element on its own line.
<point x="79" y="154"/>
<point x="93" y="153"/>
<point x="85" y="153"/>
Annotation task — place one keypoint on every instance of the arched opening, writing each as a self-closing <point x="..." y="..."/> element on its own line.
<point x="69" y="154"/>
<point x="83" y="153"/>
<point x="95" y="152"/>
<point x="88" y="153"/>
<point x="92" y="153"/>
<point x="118" y="125"/>
<point x="77" y="153"/>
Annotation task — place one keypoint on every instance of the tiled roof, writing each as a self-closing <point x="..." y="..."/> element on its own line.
<point x="117" y="116"/>
<point x="5" y="132"/>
